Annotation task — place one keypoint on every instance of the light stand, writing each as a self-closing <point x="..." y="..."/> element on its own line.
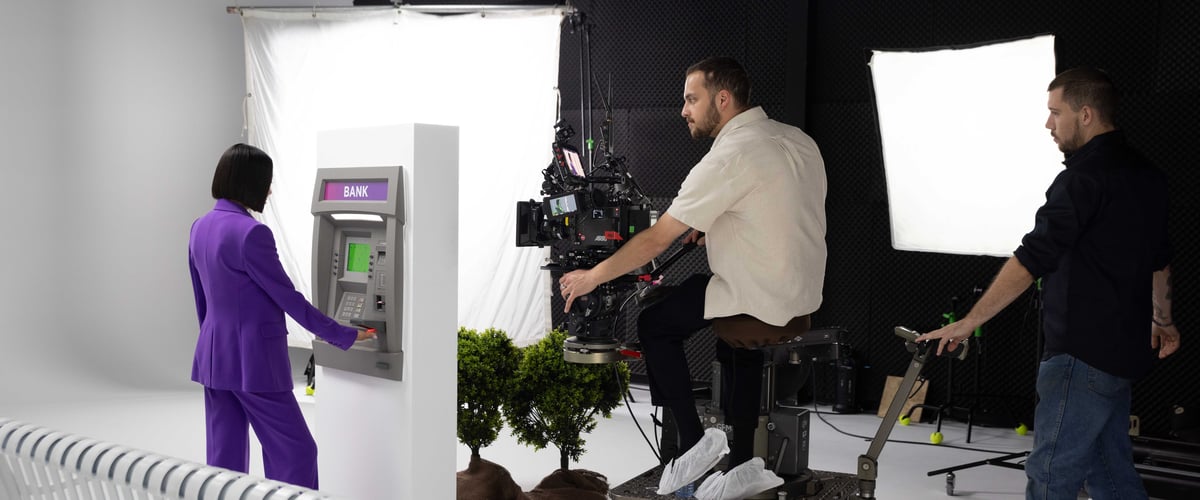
<point x="1003" y="460"/>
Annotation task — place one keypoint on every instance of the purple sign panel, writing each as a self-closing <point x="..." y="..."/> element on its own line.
<point x="355" y="191"/>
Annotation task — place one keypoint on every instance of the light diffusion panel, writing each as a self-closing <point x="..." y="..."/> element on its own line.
<point x="950" y="188"/>
<point x="356" y="264"/>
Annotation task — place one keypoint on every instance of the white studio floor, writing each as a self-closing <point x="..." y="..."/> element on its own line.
<point x="617" y="450"/>
<point x="172" y="424"/>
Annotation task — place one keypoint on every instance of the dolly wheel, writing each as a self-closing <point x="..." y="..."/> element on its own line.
<point x="950" y="483"/>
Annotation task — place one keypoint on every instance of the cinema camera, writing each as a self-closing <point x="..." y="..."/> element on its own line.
<point x="584" y="217"/>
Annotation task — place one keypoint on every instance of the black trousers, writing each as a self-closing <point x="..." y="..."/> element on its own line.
<point x="662" y="328"/>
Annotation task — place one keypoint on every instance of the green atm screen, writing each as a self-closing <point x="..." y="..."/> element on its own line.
<point x="359" y="257"/>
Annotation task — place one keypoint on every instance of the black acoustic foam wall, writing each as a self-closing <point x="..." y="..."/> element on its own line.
<point x="1151" y="54"/>
<point x="808" y="64"/>
<point x="644" y="52"/>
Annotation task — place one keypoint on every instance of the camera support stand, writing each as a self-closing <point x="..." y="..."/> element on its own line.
<point x="868" y="465"/>
<point x="949" y="406"/>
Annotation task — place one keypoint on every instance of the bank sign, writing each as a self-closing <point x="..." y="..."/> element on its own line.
<point x="356" y="191"/>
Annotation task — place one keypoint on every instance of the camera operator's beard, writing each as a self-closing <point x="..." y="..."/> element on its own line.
<point x="706" y="128"/>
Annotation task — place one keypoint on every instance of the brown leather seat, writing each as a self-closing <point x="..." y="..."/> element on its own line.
<point x="745" y="330"/>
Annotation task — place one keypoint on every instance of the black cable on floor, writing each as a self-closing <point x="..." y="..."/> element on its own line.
<point x="617" y="374"/>
<point x="834" y="427"/>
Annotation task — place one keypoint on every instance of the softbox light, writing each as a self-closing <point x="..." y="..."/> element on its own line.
<point x="965" y="152"/>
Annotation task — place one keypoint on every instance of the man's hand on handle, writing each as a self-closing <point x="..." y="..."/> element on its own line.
<point x="575" y="284"/>
<point x="949" y="336"/>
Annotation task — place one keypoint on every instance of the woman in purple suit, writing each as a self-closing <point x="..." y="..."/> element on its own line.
<point x="241" y="355"/>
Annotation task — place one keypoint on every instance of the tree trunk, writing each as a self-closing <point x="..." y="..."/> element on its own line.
<point x="564" y="460"/>
<point x="475" y="463"/>
<point x="486" y="480"/>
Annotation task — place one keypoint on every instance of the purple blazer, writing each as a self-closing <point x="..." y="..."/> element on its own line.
<point x="241" y="294"/>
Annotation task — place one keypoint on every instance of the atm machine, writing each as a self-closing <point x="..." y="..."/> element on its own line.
<point x="357" y="256"/>
<point x="385" y="256"/>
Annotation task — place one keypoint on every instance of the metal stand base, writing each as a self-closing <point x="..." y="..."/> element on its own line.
<point x="592" y="351"/>
<point x="1000" y="461"/>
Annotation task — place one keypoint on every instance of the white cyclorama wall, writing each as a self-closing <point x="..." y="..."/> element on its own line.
<point x="33" y="337"/>
<point x="394" y="439"/>
<point x="115" y="114"/>
<point x="966" y="155"/>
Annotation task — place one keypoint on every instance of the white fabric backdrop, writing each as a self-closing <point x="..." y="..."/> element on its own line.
<point x="493" y="76"/>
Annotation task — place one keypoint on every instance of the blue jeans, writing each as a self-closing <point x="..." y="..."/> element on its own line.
<point x="1081" y="433"/>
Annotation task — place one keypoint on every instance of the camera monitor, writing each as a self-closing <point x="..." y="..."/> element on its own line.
<point x="563" y="205"/>
<point x="569" y="161"/>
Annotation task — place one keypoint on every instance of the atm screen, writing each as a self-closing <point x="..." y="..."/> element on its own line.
<point x="358" y="258"/>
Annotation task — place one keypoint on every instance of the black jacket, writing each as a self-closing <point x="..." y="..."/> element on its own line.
<point x="1096" y="242"/>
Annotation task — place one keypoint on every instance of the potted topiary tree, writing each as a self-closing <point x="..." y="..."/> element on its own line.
<point x="487" y="363"/>
<point x="555" y="402"/>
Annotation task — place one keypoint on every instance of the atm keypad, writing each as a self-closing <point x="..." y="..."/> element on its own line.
<point x="352" y="306"/>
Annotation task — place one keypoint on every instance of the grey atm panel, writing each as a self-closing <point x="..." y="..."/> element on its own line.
<point x="358" y="222"/>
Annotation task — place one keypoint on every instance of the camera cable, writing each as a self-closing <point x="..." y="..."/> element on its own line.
<point x="617" y="374"/>
<point x="821" y="416"/>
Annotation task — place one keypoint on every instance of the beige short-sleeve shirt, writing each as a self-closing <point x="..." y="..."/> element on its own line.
<point x="759" y="195"/>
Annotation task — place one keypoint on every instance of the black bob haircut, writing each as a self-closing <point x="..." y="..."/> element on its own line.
<point x="243" y="175"/>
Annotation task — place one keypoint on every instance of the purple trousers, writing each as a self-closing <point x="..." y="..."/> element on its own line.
<point x="289" y="451"/>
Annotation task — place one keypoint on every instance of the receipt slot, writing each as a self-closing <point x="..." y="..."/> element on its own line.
<point x="357" y="255"/>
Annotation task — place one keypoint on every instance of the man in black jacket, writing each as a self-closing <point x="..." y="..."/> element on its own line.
<point x="1100" y="244"/>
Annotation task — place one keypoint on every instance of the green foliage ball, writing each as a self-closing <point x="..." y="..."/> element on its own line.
<point x="555" y="402"/>
<point x="487" y="363"/>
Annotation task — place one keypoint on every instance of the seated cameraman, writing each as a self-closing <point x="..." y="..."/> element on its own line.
<point x="758" y="196"/>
